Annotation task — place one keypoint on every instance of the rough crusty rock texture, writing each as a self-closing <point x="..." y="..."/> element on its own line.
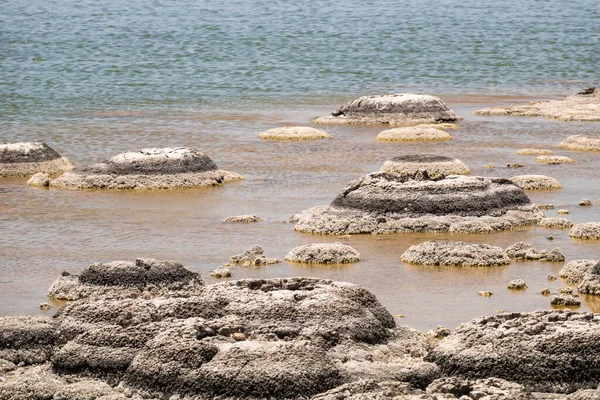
<point x="434" y="166"/>
<point x="574" y="271"/>
<point x="27" y="339"/>
<point x="153" y="168"/>
<point x="527" y="252"/>
<point x="252" y="257"/>
<point x="590" y="284"/>
<point x="533" y="152"/>
<point x="294" y="133"/>
<point x="29" y="158"/>
<point x="323" y="253"/>
<point x="536" y="182"/>
<point x="565" y="300"/>
<point x="544" y="350"/>
<point x="394" y="109"/>
<point x="586" y="231"/>
<point x="243" y="219"/>
<point x="459" y="254"/>
<point x="517" y="284"/>
<point x="384" y="203"/>
<point x="41" y="179"/>
<point x="413" y="134"/>
<point x="579" y="142"/>
<point x="553" y="160"/>
<point x="559" y="223"/>
<point x="579" y="107"/>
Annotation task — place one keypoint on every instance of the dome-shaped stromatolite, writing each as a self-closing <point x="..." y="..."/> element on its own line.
<point x="384" y="203"/>
<point x="553" y="160"/>
<point x="579" y="142"/>
<point x="586" y="231"/>
<point x="435" y="166"/>
<point x="590" y="284"/>
<point x="323" y="253"/>
<point x="558" y="223"/>
<point x="154" y="168"/>
<point x="574" y="271"/>
<point x="294" y="133"/>
<point x="456" y="254"/>
<point x="393" y="109"/>
<point x="543" y="350"/>
<point x="413" y="134"/>
<point x="29" y="158"/>
<point x="533" y="152"/>
<point x="536" y="182"/>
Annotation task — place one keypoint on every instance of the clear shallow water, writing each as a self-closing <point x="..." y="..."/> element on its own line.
<point x="94" y="79"/>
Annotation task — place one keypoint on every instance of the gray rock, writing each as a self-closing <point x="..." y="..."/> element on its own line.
<point x="536" y="182"/>
<point x="574" y="271"/>
<point x="413" y="134"/>
<point x="565" y="300"/>
<point x="36" y="383"/>
<point x="526" y="252"/>
<point x="27" y="339"/>
<point x="590" y="284"/>
<point x="85" y="390"/>
<point x="434" y="166"/>
<point x="553" y="160"/>
<point x="368" y="389"/>
<point x="252" y="257"/>
<point x="533" y="152"/>
<point x="323" y="253"/>
<point x="221" y="272"/>
<point x="29" y="158"/>
<point x="153" y="168"/>
<point x="393" y="109"/>
<point x="559" y="223"/>
<point x="242" y="219"/>
<point x="384" y="203"/>
<point x="517" y="284"/>
<point x="585" y="202"/>
<point x="41" y="179"/>
<point x="586" y="231"/>
<point x="459" y="254"/>
<point x="294" y="133"/>
<point x="554" y="351"/>
<point x="579" y="142"/>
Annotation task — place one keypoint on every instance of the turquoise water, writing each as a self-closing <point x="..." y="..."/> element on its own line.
<point x="59" y="58"/>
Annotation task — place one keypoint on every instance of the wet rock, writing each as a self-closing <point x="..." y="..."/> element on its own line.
<point x="383" y="203"/>
<point x="485" y="293"/>
<point x="545" y="206"/>
<point x="565" y="300"/>
<point x="553" y="160"/>
<point x="128" y="279"/>
<point x="536" y="182"/>
<point x="395" y="109"/>
<point x="40" y="179"/>
<point x="585" y="203"/>
<point x="6" y="366"/>
<point x="554" y="351"/>
<point x="552" y="278"/>
<point x="323" y="253"/>
<point x="586" y="231"/>
<point x="153" y="168"/>
<point x="565" y="290"/>
<point x="562" y="212"/>
<point x="526" y="252"/>
<point x="579" y="107"/>
<point x="590" y="284"/>
<point x="221" y="272"/>
<point x="413" y="134"/>
<point x="574" y="271"/>
<point x="579" y="142"/>
<point x="515" y="165"/>
<point x="558" y="223"/>
<point x="545" y="292"/>
<point x="489" y="166"/>
<point x="533" y="152"/>
<point x="27" y="339"/>
<point x="368" y="389"/>
<point x="29" y="158"/>
<point x="45" y="306"/>
<point x="517" y="284"/>
<point x="293" y="133"/>
<point x="445" y="252"/>
<point x="434" y="166"/>
<point x="252" y="257"/>
<point x="442" y="332"/>
<point x="243" y="219"/>
<point x="550" y="237"/>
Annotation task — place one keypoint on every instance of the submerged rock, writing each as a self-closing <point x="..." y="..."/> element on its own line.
<point x="394" y="109"/>
<point x="553" y="160"/>
<point x="384" y="202"/>
<point x="153" y="168"/>
<point x="413" y="134"/>
<point x="459" y="254"/>
<point x="294" y="133"/>
<point x="434" y="166"/>
<point x="41" y="179"/>
<point x="586" y="231"/>
<point x="559" y="223"/>
<point x="579" y="142"/>
<point x="527" y="252"/>
<point x="252" y="257"/>
<point x="579" y="107"/>
<point x="323" y="253"/>
<point x="243" y="219"/>
<point x="574" y="271"/>
<point x="562" y="212"/>
<point x="585" y="202"/>
<point x="555" y="351"/>
<point x="533" y="152"/>
<point x="517" y="284"/>
<point x="29" y="158"/>
<point x="221" y="272"/>
<point x="536" y="182"/>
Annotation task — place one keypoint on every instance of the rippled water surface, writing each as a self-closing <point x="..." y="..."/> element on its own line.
<point x="94" y="79"/>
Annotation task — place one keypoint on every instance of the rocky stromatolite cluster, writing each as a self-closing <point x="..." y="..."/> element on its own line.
<point x="586" y="231"/>
<point x="29" y="158"/>
<point x="574" y="271"/>
<point x="153" y="168"/>
<point x="294" y="133"/>
<point x="456" y="254"/>
<point x="435" y="166"/>
<point x="393" y="109"/>
<point x="579" y="142"/>
<point x="558" y="223"/>
<point x="323" y="253"/>
<point x="385" y="202"/>
<point x="584" y="106"/>
<point x="536" y="182"/>
<point x="526" y="252"/>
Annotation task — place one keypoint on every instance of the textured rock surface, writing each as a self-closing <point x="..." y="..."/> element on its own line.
<point x="29" y="158"/>
<point x="252" y="257"/>
<point x="27" y="339"/>
<point x="434" y="166"/>
<point x="527" y="252"/>
<point x="590" y="284"/>
<point x="393" y="109"/>
<point x="153" y="168"/>
<point x="517" y="284"/>
<point x="559" y="223"/>
<point x="413" y="134"/>
<point x="553" y="160"/>
<point x="536" y="182"/>
<point x="574" y="271"/>
<point x="459" y="254"/>
<point x="323" y="253"/>
<point x="243" y="219"/>
<point x="533" y="152"/>
<point x="565" y="300"/>
<point x="41" y="179"/>
<point x="383" y="203"/>
<point x="579" y="142"/>
<point x="221" y="272"/>
<point x="586" y="231"/>
<point x="579" y="107"/>
<point x="294" y="133"/>
<point x="543" y="350"/>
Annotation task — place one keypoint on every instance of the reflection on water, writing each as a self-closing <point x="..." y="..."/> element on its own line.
<point x="47" y="231"/>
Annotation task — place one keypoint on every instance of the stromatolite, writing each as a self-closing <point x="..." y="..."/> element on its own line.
<point x="29" y="158"/>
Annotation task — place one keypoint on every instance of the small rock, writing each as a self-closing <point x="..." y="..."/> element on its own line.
<point x="526" y="251"/>
<point x="552" y="278"/>
<point x="45" y="306"/>
<point x="545" y="206"/>
<point x="586" y="91"/>
<point x="441" y="332"/>
<point x="485" y="293"/>
<point x="239" y="336"/>
<point x="579" y="142"/>
<point x="243" y="219"/>
<point x="565" y="300"/>
<point x="586" y="231"/>
<point x="323" y="253"/>
<point x="574" y="271"/>
<point x="294" y="133"/>
<point x="550" y="237"/>
<point x="515" y="165"/>
<point x="553" y="160"/>
<point x="562" y="212"/>
<point x="545" y="292"/>
<point x="413" y="134"/>
<point x="40" y="179"/>
<point x="565" y="290"/>
<point x="253" y="256"/>
<point x="585" y="203"/>
<point x="517" y="284"/>
<point x="533" y="152"/>
<point x="399" y="316"/>
<point x="557" y="223"/>
<point x="221" y="272"/>
<point x="489" y="166"/>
